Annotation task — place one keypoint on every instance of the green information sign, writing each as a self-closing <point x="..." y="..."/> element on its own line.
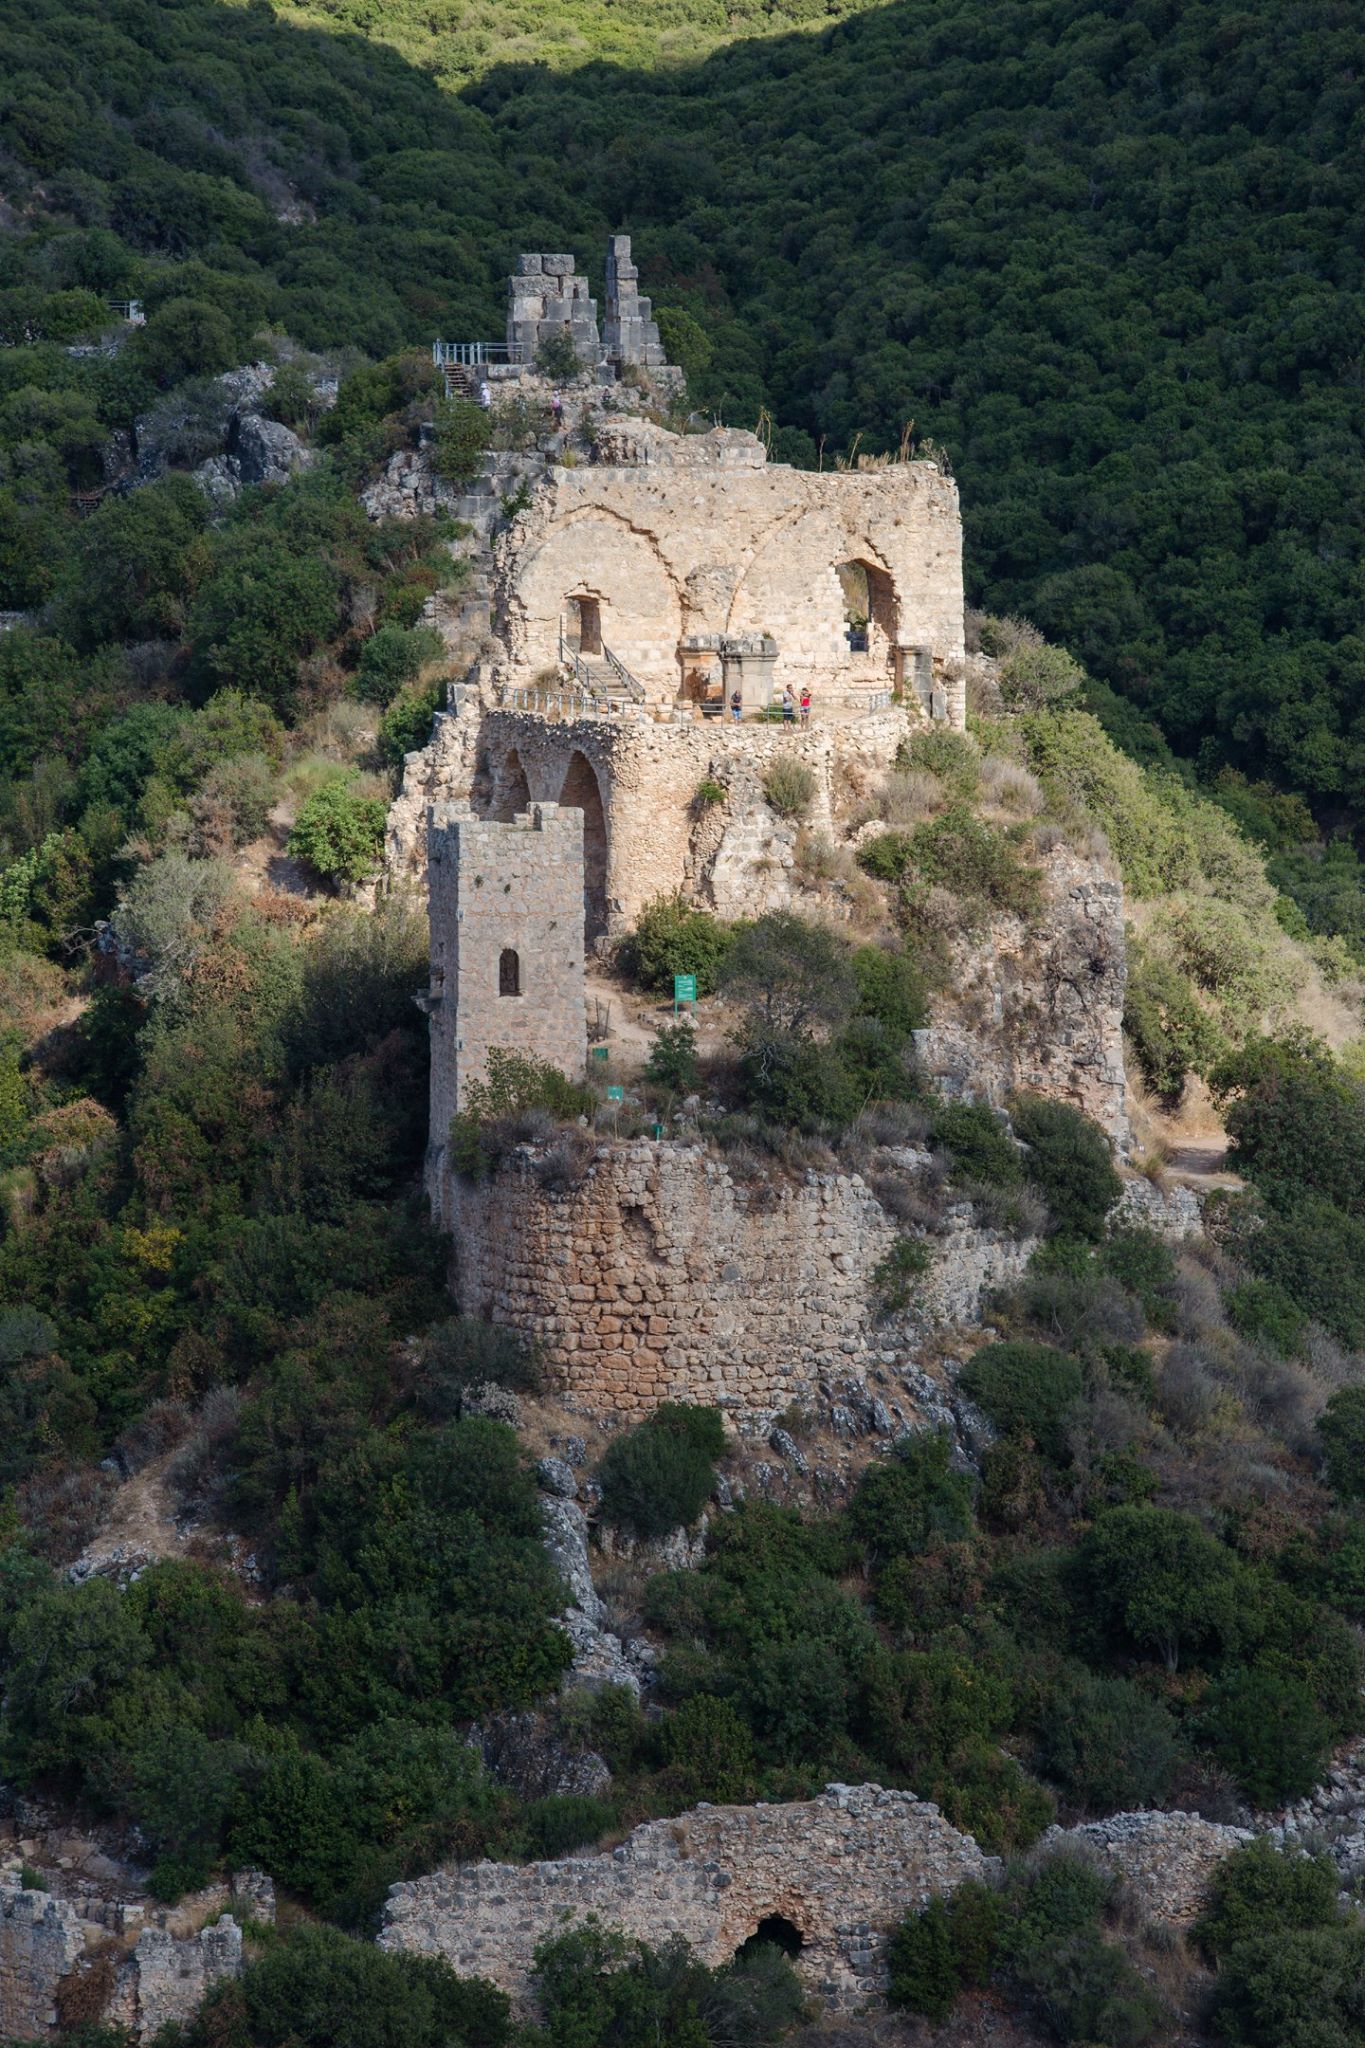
<point x="684" y="988"/>
<point x="599" y="1052"/>
<point x="616" y="1093"/>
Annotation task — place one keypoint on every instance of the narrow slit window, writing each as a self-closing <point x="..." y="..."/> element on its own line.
<point x="509" y="972"/>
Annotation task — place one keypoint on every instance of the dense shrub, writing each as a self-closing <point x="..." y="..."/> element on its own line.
<point x="517" y="1086"/>
<point x="892" y="987"/>
<point x="915" y="1500"/>
<point x="789" y="787"/>
<point x="1111" y="1747"/>
<point x="339" y="834"/>
<point x="1269" y="1732"/>
<point x="1290" y="1989"/>
<point x="391" y="657"/>
<point x="980" y="1145"/>
<point x="1027" y="1390"/>
<point x="1259" y="1889"/>
<point x="977" y="864"/>
<point x="672" y="937"/>
<point x="1069" y="1158"/>
<point x="660" y="1476"/>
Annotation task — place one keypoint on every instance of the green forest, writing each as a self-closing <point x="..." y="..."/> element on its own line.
<point x="1106" y="263"/>
<point x="1108" y="259"/>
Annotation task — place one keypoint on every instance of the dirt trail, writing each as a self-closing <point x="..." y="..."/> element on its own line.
<point x="140" y="1526"/>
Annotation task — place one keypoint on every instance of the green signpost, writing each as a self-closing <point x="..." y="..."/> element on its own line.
<point x="684" y="989"/>
<point x="616" y="1093"/>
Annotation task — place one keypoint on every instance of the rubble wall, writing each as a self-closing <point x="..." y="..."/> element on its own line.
<point x="842" y="1869"/>
<point x="665" y="1276"/>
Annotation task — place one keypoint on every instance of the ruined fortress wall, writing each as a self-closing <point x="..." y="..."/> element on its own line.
<point x="664" y="1276"/>
<point x="646" y="828"/>
<point x="843" y="1869"/>
<point x="681" y="536"/>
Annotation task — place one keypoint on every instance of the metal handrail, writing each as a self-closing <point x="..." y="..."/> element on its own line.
<point x="474" y="353"/>
<point x="571" y="658"/>
<point x="619" y="669"/>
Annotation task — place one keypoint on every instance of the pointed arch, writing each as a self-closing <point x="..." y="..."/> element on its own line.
<point x="514" y="791"/>
<point x="582" y="792"/>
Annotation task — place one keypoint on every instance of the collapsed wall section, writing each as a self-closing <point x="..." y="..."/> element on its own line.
<point x="665" y="1276"/>
<point x="841" y="1870"/>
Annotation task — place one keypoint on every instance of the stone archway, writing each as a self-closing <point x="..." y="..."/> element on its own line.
<point x="774" y="1930"/>
<point x="871" y="612"/>
<point x="582" y="792"/>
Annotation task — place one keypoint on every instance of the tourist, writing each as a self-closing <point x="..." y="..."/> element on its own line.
<point x="805" y="704"/>
<point x="736" y="707"/>
<point x="788" y="707"/>
<point x="485" y="395"/>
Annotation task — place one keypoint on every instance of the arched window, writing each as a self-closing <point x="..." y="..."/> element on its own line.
<point x="509" y="972"/>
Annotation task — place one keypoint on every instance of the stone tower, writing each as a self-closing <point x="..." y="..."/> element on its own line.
<point x="506" y="954"/>
<point x="632" y="334"/>
<point x="545" y="297"/>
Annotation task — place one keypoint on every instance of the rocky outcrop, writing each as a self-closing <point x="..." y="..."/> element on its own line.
<point x="1166" y="1860"/>
<point x="1038" y="1004"/>
<point x="839" y="1870"/>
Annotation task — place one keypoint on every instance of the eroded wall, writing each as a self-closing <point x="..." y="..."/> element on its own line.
<point x="666" y="1276"/>
<point x="841" y="1869"/>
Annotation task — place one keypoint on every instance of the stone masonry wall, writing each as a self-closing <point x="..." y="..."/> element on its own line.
<point x="735" y="859"/>
<point x="842" y="1869"/>
<point x="698" y="535"/>
<point x="664" y="1276"/>
<point x="46" y="1942"/>
<point x="503" y="897"/>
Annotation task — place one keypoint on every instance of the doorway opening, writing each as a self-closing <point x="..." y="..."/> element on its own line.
<point x="581" y="792"/>
<point x="585" y="624"/>
<point x="871" y="614"/>
<point x="773" y="1931"/>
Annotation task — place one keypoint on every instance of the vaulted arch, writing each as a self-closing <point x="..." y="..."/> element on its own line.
<point x="581" y="791"/>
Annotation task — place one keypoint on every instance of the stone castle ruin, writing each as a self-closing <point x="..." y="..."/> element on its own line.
<point x="637" y="582"/>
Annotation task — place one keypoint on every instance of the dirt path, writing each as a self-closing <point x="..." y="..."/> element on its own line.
<point x="140" y="1526"/>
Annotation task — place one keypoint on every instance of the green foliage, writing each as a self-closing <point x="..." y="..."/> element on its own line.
<point x="793" y="975"/>
<point x="892" y="988"/>
<point x="897" y="1272"/>
<point x="516" y="1086"/>
<point x="1028" y="1391"/>
<point x="672" y="937"/>
<point x="976" y="863"/>
<point x="1269" y="1732"/>
<point x="339" y="834"/>
<point x="1293" y="1990"/>
<point x="1158" y="1582"/>
<point x="1171" y="1032"/>
<point x="1068" y="1157"/>
<point x="558" y="357"/>
<point x="708" y="1750"/>
<point x="460" y="439"/>
<point x="659" y="1476"/>
<point x="1110" y="1746"/>
<point x="923" y="1964"/>
<point x="979" y="1144"/>
<point x="1260" y="1889"/>
<point x="391" y="657"/>
<point x="672" y="1061"/>
<point x="789" y="786"/>
<point x="598" y="1990"/>
<point x="886" y="856"/>
<point x="916" y="1500"/>
<point x="1341" y="1427"/>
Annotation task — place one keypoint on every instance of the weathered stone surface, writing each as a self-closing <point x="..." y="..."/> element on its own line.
<point x="1039" y="1005"/>
<point x="842" y="1869"/>
<point x="41" y="1940"/>
<point x="663" y="1277"/>
<point x="1171" y="1211"/>
<point x="1165" y="1859"/>
<point x="554" y="1476"/>
<point x="165" y="1978"/>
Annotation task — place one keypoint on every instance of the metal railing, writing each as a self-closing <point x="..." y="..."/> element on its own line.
<point x="473" y="354"/>
<point x="623" y="675"/>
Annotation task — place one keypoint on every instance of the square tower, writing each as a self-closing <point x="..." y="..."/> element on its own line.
<point x="506" y="908"/>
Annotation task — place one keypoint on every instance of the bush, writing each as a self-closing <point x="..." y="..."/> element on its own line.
<point x="1260" y="1890"/>
<point x="981" y="1146"/>
<point x="708" y="1750"/>
<point x="558" y="358"/>
<point x="1158" y="1582"/>
<point x="923" y="1964"/>
<point x="793" y="975"/>
<point x="1069" y="1159"/>
<point x="1269" y="1732"/>
<point x="393" y="656"/>
<point x="566" y="1821"/>
<point x="672" y="937"/>
<point x="1108" y="1745"/>
<point x="517" y="1086"/>
<point x="896" y="1274"/>
<point x="339" y="834"/>
<point x="461" y="433"/>
<point x="1027" y="1390"/>
<point x="976" y="864"/>
<point x="1032" y="676"/>
<point x="672" y="1061"/>
<point x="1090" y="1992"/>
<point x="1292" y="1990"/>
<point x="318" y="1987"/>
<point x="660" y="1476"/>
<point x="886" y="857"/>
<point x="789" y="787"/>
<point x="1341" y="1427"/>
<point x="915" y="1500"/>
<point x="1171" y="1032"/>
<point x="891" y="988"/>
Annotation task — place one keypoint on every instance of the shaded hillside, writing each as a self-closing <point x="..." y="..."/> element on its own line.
<point x="1110" y="261"/>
